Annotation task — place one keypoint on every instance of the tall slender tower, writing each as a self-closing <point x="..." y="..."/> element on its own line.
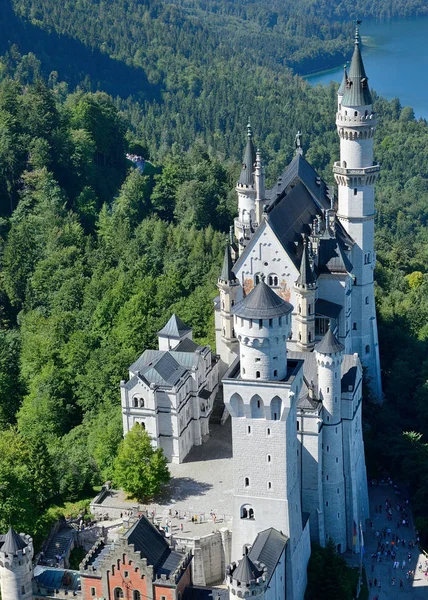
<point x="329" y="357"/>
<point x="246" y="188"/>
<point x="16" y="568"/>
<point x="355" y="176"/>
<point x="306" y="290"/>
<point x="228" y="285"/>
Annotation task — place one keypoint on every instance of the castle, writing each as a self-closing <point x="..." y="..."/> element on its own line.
<point x="295" y="327"/>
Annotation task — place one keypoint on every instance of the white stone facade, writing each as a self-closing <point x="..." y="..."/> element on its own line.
<point x="171" y="392"/>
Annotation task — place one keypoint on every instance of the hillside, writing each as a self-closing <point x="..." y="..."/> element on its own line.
<point x="95" y="256"/>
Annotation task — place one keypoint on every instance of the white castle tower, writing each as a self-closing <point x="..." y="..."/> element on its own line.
<point x="329" y="357"/>
<point x="246" y="187"/>
<point x="261" y="393"/>
<point x="16" y="568"/>
<point x="355" y="176"/>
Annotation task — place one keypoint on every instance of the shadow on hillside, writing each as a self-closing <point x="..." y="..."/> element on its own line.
<point x="73" y="60"/>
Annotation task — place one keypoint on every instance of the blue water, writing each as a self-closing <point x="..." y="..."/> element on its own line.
<point x="395" y="55"/>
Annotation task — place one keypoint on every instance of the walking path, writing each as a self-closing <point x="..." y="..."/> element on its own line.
<point x="383" y="571"/>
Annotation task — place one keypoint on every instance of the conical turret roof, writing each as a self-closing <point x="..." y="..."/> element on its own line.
<point x="174" y="328"/>
<point x="357" y="91"/>
<point x="329" y="344"/>
<point x="306" y="276"/>
<point x="246" y="571"/>
<point x="247" y="177"/>
<point x="262" y="303"/>
<point x="342" y="86"/>
<point x="13" y="542"/>
<point x="227" y="273"/>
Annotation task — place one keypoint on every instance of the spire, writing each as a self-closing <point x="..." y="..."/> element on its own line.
<point x="329" y="344"/>
<point x="227" y="273"/>
<point x="246" y="177"/>
<point x="306" y="277"/>
<point x="357" y="92"/>
<point x="13" y="542"/>
<point x="342" y="86"/>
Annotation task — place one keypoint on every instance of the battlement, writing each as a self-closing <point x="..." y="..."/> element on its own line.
<point x="247" y="578"/>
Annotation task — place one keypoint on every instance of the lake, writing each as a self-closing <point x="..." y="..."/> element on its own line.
<point x="395" y="55"/>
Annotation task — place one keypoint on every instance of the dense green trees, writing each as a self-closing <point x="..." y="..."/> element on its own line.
<point x="96" y="255"/>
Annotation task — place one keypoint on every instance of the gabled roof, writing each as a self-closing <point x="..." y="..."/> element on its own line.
<point x="325" y="308"/>
<point x="300" y="170"/>
<point x="329" y="344"/>
<point x="357" y="91"/>
<point x="227" y="273"/>
<point x="247" y="177"/>
<point x="12" y="542"/>
<point x="267" y="549"/>
<point x="175" y="328"/>
<point x="262" y="303"/>
<point x="246" y="571"/>
<point x="149" y="541"/>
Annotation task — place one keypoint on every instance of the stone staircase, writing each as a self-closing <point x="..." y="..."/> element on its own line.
<point x="59" y="545"/>
<point x="218" y="408"/>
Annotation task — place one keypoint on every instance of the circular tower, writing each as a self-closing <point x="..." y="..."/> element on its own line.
<point x="246" y="579"/>
<point x="16" y="567"/>
<point x="262" y="325"/>
<point x="329" y="357"/>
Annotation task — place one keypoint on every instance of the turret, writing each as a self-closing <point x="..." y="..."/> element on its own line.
<point x="16" y="568"/>
<point x="246" y="189"/>
<point x="329" y="356"/>
<point x="228" y="286"/>
<point x="306" y="290"/>
<point x="262" y="326"/>
<point x="246" y="579"/>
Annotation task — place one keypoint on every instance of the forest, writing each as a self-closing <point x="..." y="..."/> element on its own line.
<point x="95" y="255"/>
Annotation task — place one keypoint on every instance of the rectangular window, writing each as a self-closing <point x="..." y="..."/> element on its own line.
<point x="249" y="429"/>
<point x="93" y="591"/>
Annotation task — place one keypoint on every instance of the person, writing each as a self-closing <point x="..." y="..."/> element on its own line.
<point x="401" y="584"/>
<point x="393" y="581"/>
<point x="181" y="526"/>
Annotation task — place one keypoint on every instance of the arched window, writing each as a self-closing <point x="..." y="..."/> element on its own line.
<point x="257" y="407"/>
<point x="367" y="349"/>
<point x="244" y="513"/>
<point x="344" y="164"/>
<point x="237" y="405"/>
<point x="275" y="408"/>
<point x="136" y="595"/>
<point x="247" y="512"/>
<point x="257" y="374"/>
<point x="355" y="191"/>
<point x="275" y="373"/>
<point x="251" y="513"/>
<point x="118" y="593"/>
<point x="135" y="402"/>
<point x="247" y="482"/>
<point x="256" y="278"/>
<point x="367" y="300"/>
